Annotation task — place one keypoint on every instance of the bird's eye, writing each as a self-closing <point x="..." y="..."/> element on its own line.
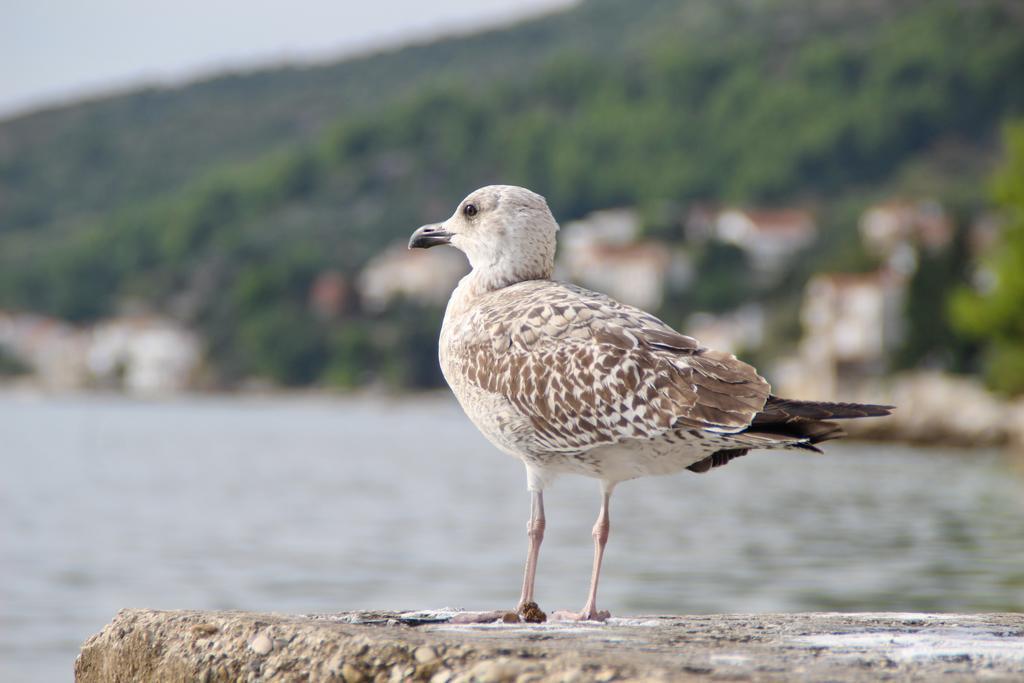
<point x="469" y="210"/>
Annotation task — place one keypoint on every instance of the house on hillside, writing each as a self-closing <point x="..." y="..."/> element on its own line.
<point x="54" y="350"/>
<point x="329" y="295"/>
<point x="427" y="276"/>
<point x="143" y="355"/>
<point x="607" y="226"/>
<point x="635" y="274"/>
<point x="602" y="252"/>
<point x="140" y="354"/>
<point x="888" y="227"/>
<point x="770" y="237"/>
<point x="734" y="332"/>
<point x="852" y="323"/>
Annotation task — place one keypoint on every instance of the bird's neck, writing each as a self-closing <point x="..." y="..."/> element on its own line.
<point x="492" y="271"/>
<point x="500" y="275"/>
<point x="479" y="282"/>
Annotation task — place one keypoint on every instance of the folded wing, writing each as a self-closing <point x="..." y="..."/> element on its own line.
<point x="589" y="371"/>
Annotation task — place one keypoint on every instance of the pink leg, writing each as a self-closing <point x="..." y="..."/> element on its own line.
<point x="600" y="533"/>
<point x="527" y="609"/>
<point x="535" y="531"/>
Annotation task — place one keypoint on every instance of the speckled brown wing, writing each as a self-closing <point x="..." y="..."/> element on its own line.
<point x="588" y="371"/>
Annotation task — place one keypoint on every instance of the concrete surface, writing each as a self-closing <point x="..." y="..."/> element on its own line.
<point x="390" y="646"/>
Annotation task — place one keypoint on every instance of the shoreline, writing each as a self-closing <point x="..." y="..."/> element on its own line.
<point x="932" y="409"/>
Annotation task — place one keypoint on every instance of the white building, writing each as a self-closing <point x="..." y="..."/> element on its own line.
<point x="635" y="274"/>
<point x="734" y="332"/>
<point x="143" y="355"/>
<point x="617" y="227"/>
<point x="852" y="322"/>
<point x="888" y="228"/>
<point x="770" y="237"/>
<point x="601" y="252"/>
<point x="424" y="275"/>
<point x="54" y="350"/>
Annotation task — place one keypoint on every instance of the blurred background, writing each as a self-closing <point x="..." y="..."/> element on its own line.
<point x="218" y="374"/>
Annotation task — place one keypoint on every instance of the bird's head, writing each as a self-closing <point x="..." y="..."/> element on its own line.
<point x="507" y="232"/>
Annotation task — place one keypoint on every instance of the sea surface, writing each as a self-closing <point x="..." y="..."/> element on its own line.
<point x="300" y="504"/>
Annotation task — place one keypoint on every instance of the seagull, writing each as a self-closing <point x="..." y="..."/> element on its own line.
<point x="571" y="381"/>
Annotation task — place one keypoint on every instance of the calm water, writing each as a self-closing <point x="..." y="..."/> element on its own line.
<point x="317" y="505"/>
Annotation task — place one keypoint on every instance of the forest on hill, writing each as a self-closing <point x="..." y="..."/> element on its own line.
<point x="63" y="167"/>
<point x="220" y="203"/>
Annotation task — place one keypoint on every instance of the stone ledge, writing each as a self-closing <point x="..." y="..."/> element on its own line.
<point x="390" y="646"/>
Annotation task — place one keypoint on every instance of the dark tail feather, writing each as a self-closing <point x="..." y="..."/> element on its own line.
<point x="811" y="420"/>
<point x="789" y="411"/>
<point x="808" y="420"/>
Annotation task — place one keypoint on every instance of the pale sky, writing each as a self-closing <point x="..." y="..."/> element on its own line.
<point x="56" y="50"/>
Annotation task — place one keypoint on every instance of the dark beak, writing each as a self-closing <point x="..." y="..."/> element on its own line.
<point x="429" y="236"/>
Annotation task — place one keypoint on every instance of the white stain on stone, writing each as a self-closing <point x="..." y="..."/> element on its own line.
<point x="964" y="642"/>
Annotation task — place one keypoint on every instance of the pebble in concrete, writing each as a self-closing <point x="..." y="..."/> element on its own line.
<point x="261" y="644"/>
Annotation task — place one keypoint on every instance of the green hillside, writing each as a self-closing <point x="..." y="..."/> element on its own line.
<point x="63" y="167"/>
<point x="831" y="103"/>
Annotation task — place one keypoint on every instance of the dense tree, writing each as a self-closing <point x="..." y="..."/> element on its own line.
<point x="993" y="312"/>
<point x="932" y="339"/>
<point x="723" y="279"/>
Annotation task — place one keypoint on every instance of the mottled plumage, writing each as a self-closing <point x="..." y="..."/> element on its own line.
<point x="571" y="373"/>
<point x="572" y="381"/>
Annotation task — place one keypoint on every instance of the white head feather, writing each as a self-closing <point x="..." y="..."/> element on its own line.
<point x="508" y="234"/>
